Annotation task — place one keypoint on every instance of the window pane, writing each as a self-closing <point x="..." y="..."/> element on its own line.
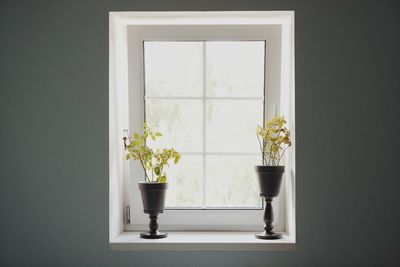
<point x="235" y="68"/>
<point x="180" y="122"/>
<point x="173" y="68"/>
<point x="230" y="125"/>
<point x="231" y="182"/>
<point x="185" y="183"/>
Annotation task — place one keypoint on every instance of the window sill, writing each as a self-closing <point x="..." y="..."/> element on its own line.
<point x="201" y="241"/>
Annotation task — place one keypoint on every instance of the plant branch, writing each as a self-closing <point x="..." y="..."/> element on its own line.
<point x="152" y="162"/>
<point x="271" y="145"/>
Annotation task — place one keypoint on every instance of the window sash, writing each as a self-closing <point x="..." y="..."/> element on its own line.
<point x="227" y="219"/>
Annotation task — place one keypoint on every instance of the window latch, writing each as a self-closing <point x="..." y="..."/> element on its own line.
<point x="128" y="215"/>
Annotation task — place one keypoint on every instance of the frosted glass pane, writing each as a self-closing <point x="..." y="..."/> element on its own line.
<point x="180" y="122"/>
<point x="232" y="182"/>
<point x="230" y="125"/>
<point x="185" y="183"/>
<point x="235" y="69"/>
<point x="173" y="68"/>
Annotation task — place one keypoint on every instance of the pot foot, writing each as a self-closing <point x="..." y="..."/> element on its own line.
<point x="156" y="235"/>
<point x="270" y="235"/>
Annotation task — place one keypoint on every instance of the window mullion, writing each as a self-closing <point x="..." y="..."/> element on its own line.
<point x="204" y="124"/>
<point x="206" y="98"/>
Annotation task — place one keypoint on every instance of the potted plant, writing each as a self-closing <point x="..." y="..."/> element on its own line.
<point x="273" y="139"/>
<point x="154" y="163"/>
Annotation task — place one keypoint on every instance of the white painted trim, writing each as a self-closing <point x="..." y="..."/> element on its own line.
<point x="117" y="83"/>
<point x="119" y="94"/>
<point x="217" y="219"/>
<point x="201" y="241"/>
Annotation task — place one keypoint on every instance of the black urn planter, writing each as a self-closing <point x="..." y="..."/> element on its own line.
<point x="153" y="198"/>
<point x="270" y="179"/>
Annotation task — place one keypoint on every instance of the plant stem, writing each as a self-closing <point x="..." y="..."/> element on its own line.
<point x="146" y="177"/>
<point x="265" y="144"/>
<point x="261" y="148"/>
<point x="270" y="152"/>
<point x="282" y="154"/>
<point x="270" y="155"/>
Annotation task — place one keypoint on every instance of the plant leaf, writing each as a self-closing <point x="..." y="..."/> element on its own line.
<point x="157" y="170"/>
<point x="163" y="179"/>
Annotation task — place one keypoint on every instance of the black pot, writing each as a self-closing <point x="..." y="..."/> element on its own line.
<point x="153" y="199"/>
<point x="153" y="196"/>
<point x="270" y="179"/>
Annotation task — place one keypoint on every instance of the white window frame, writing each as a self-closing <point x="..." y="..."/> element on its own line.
<point x="128" y="30"/>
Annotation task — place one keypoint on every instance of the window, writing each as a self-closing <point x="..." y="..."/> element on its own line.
<point x="206" y="97"/>
<point x="204" y="79"/>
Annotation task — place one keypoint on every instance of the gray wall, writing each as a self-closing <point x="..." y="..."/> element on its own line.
<point x="54" y="134"/>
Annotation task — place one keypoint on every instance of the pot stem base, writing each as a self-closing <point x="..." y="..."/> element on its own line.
<point x="156" y="235"/>
<point x="270" y="235"/>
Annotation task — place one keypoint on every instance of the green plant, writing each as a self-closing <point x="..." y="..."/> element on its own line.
<point x="273" y="139"/>
<point x="153" y="161"/>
